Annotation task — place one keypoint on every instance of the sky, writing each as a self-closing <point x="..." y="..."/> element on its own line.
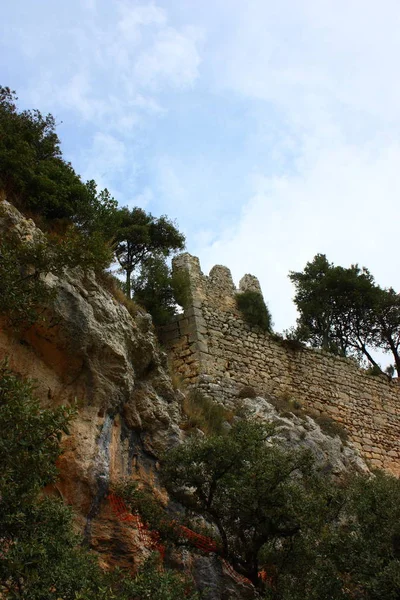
<point x="270" y="131"/>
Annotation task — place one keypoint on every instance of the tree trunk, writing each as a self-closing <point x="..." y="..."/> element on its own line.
<point x="395" y="354"/>
<point x="128" y="283"/>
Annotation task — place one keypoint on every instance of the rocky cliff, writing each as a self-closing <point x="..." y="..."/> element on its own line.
<point x="91" y="351"/>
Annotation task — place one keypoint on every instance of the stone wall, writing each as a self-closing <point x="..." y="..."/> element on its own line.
<point x="211" y="347"/>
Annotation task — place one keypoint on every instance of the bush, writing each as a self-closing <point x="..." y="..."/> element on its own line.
<point x="374" y="371"/>
<point x="254" y="310"/>
<point x="36" y="178"/>
<point x="24" y="294"/>
<point x="159" y="290"/>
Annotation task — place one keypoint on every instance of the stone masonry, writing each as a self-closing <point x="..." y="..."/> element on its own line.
<point x="211" y="347"/>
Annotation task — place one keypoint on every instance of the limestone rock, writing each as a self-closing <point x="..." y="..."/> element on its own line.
<point x="331" y="453"/>
<point x="91" y="352"/>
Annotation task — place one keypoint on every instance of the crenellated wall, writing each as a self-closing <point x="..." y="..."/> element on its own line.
<point x="211" y="347"/>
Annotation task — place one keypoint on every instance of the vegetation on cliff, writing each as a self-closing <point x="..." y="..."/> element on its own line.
<point x="274" y="512"/>
<point x="86" y="223"/>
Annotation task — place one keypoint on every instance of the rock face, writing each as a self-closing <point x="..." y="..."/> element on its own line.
<point x="92" y="352"/>
<point x="332" y="455"/>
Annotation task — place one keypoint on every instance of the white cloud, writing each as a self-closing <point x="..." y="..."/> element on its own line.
<point x="173" y="59"/>
<point x="134" y="17"/>
<point x="331" y="182"/>
<point x="344" y="204"/>
<point x="114" y="67"/>
<point x="144" y="198"/>
<point x="312" y="121"/>
<point x="334" y="54"/>
<point x="106" y="159"/>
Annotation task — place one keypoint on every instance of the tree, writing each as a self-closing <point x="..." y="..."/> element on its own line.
<point x="355" y="556"/>
<point x="37" y="179"/>
<point x="29" y="444"/>
<point x="344" y="311"/>
<point x="387" y="323"/>
<point x="315" y="537"/>
<point x="158" y="289"/>
<point x="257" y="496"/>
<point x="140" y="236"/>
<point x="32" y="170"/>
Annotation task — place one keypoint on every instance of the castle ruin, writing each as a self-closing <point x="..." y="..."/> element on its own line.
<point x="212" y="348"/>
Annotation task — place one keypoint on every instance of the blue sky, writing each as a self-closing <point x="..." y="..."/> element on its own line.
<point x="268" y="130"/>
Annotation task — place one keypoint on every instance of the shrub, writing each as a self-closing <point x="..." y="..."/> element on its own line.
<point x="34" y="175"/>
<point x="24" y="294"/>
<point x="374" y="371"/>
<point x="159" y="290"/>
<point x="254" y="310"/>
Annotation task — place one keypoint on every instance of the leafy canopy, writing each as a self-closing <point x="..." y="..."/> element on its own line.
<point x="249" y="489"/>
<point x="83" y="222"/>
<point x="315" y="537"/>
<point x="158" y="289"/>
<point x="35" y="176"/>
<point x="141" y="237"/>
<point x="344" y="311"/>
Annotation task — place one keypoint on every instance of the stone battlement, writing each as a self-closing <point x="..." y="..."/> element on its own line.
<point x="214" y="349"/>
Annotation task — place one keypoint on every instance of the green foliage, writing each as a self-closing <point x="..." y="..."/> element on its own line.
<point x="85" y="225"/>
<point x="246" y="488"/>
<point x="42" y="559"/>
<point x="39" y="182"/>
<point x="36" y="177"/>
<point x="354" y="556"/>
<point x="343" y="311"/>
<point x="23" y="291"/>
<point x="331" y="427"/>
<point x="315" y="538"/>
<point x="29" y="444"/>
<point x="372" y="539"/>
<point x="180" y="284"/>
<point x="247" y="392"/>
<point x="143" y="501"/>
<point x="390" y="371"/>
<point x="254" y="310"/>
<point x="374" y="371"/>
<point x="153" y="583"/>
<point x="139" y="237"/>
<point x="24" y="264"/>
<point x="153" y="289"/>
<point x="116" y="288"/>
